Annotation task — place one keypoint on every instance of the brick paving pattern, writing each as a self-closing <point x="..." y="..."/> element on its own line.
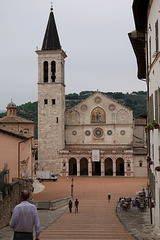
<point x="96" y="218"/>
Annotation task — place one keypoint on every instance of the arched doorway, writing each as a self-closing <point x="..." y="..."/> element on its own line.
<point x="119" y="167"/>
<point x="83" y="166"/>
<point x="96" y="168"/>
<point x="108" y="167"/>
<point x="72" y="166"/>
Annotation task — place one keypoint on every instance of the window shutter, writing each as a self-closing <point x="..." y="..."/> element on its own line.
<point x="156" y="36"/>
<point x="152" y="108"/>
<point x="156" y="106"/>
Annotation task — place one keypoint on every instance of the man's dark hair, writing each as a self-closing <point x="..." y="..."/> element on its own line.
<point x="25" y="195"/>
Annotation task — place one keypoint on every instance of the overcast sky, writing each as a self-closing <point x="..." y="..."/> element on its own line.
<point x="94" y="34"/>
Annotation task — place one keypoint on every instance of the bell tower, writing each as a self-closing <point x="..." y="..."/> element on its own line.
<point x="51" y="99"/>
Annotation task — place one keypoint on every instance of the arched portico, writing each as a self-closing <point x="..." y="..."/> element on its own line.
<point x="83" y="166"/>
<point x="72" y="166"/>
<point x="119" y="167"/>
<point x="108" y="167"/>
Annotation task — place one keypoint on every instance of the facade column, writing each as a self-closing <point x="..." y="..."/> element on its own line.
<point x="125" y="167"/>
<point x="67" y="167"/>
<point x="89" y="167"/>
<point x="102" y="167"/>
<point x="132" y="167"/>
<point x="78" y="167"/>
<point x="114" y="167"/>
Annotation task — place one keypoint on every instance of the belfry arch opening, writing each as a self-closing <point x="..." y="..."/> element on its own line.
<point x="53" y="71"/>
<point x="83" y="167"/>
<point x="45" y="71"/>
<point x="108" y="167"/>
<point x="119" y="167"/>
<point x="72" y="166"/>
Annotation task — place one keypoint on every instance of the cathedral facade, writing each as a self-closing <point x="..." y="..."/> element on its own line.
<point x="96" y="137"/>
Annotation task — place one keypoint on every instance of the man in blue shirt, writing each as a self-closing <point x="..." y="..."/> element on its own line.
<point x="24" y="218"/>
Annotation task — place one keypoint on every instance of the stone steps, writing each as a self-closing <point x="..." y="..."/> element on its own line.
<point x="95" y="220"/>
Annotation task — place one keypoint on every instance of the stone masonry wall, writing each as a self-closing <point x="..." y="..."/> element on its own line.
<point x="11" y="200"/>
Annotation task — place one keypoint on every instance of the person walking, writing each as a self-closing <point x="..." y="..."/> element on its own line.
<point x="76" y="205"/>
<point x="70" y="206"/>
<point x="24" y="218"/>
<point x="109" y="197"/>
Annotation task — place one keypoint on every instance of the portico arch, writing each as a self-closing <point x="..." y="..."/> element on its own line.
<point x="108" y="166"/>
<point x="72" y="166"/>
<point x="119" y="167"/>
<point x="96" y="168"/>
<point x="83" y="166"/>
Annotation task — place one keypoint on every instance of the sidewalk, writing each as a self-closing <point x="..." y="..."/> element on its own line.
<point x="137" y="223"/>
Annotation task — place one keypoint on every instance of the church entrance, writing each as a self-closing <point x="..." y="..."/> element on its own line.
<point x="119" y="167"/>
<point x="83" y="166"/>
<point x="108" y="167"/>
<point x="96" y="168"/>
<point x="72" y="166"/>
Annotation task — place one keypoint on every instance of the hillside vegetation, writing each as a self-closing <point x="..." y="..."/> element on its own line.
<point x="135" y="101"/>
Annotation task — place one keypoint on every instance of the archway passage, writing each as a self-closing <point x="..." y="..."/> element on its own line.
<point x="119" y="167"/>
<point x="83" y="166"/>
<point x="108" y="167"/>
<point x="72" y="166"/>
<point x="96" y="168"/>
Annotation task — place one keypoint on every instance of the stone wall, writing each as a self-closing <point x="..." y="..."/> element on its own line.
<point x="11" y="200"/>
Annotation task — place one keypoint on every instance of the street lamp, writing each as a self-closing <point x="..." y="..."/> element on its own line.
<point x="72" y="188"/>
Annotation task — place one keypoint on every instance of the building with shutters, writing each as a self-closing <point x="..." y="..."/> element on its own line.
<point x="146" y="44"/>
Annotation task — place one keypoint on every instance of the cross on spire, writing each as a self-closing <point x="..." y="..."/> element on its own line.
<point x="51" y="6"/>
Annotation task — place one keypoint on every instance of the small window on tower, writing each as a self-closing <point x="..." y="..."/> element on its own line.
<point x="45" y="101"/>
<point x="140" y="163"/>
<point x="53" y="71"/>
<point x="45" y="71"/>
<point x="57" y="119"/>
<point x="53" y="101"/>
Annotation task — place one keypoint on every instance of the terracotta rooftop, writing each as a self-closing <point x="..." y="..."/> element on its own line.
<point x="14" y="119"/>
<point x="15" y="133"/>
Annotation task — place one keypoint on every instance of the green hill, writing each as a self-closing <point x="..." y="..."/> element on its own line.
<point x="135" y="101"/>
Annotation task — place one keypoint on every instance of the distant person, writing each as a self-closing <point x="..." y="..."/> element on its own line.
<point x="24" y="218"/>
<point x="76" y="205"/>
<point x="70" y="206"/>
<point x="109" y="197"/>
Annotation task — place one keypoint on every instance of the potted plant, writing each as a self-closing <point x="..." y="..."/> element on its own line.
<point x="157" y="168"/>
<point x="155" y="124"/>
<point x="148" y="127"/>
<point x="150" y="162"/>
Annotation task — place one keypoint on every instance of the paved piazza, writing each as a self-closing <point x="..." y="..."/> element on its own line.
<point x="96" y="218"/>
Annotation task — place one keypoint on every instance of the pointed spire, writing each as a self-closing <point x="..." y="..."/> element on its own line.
<point x="51" y="39"/>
